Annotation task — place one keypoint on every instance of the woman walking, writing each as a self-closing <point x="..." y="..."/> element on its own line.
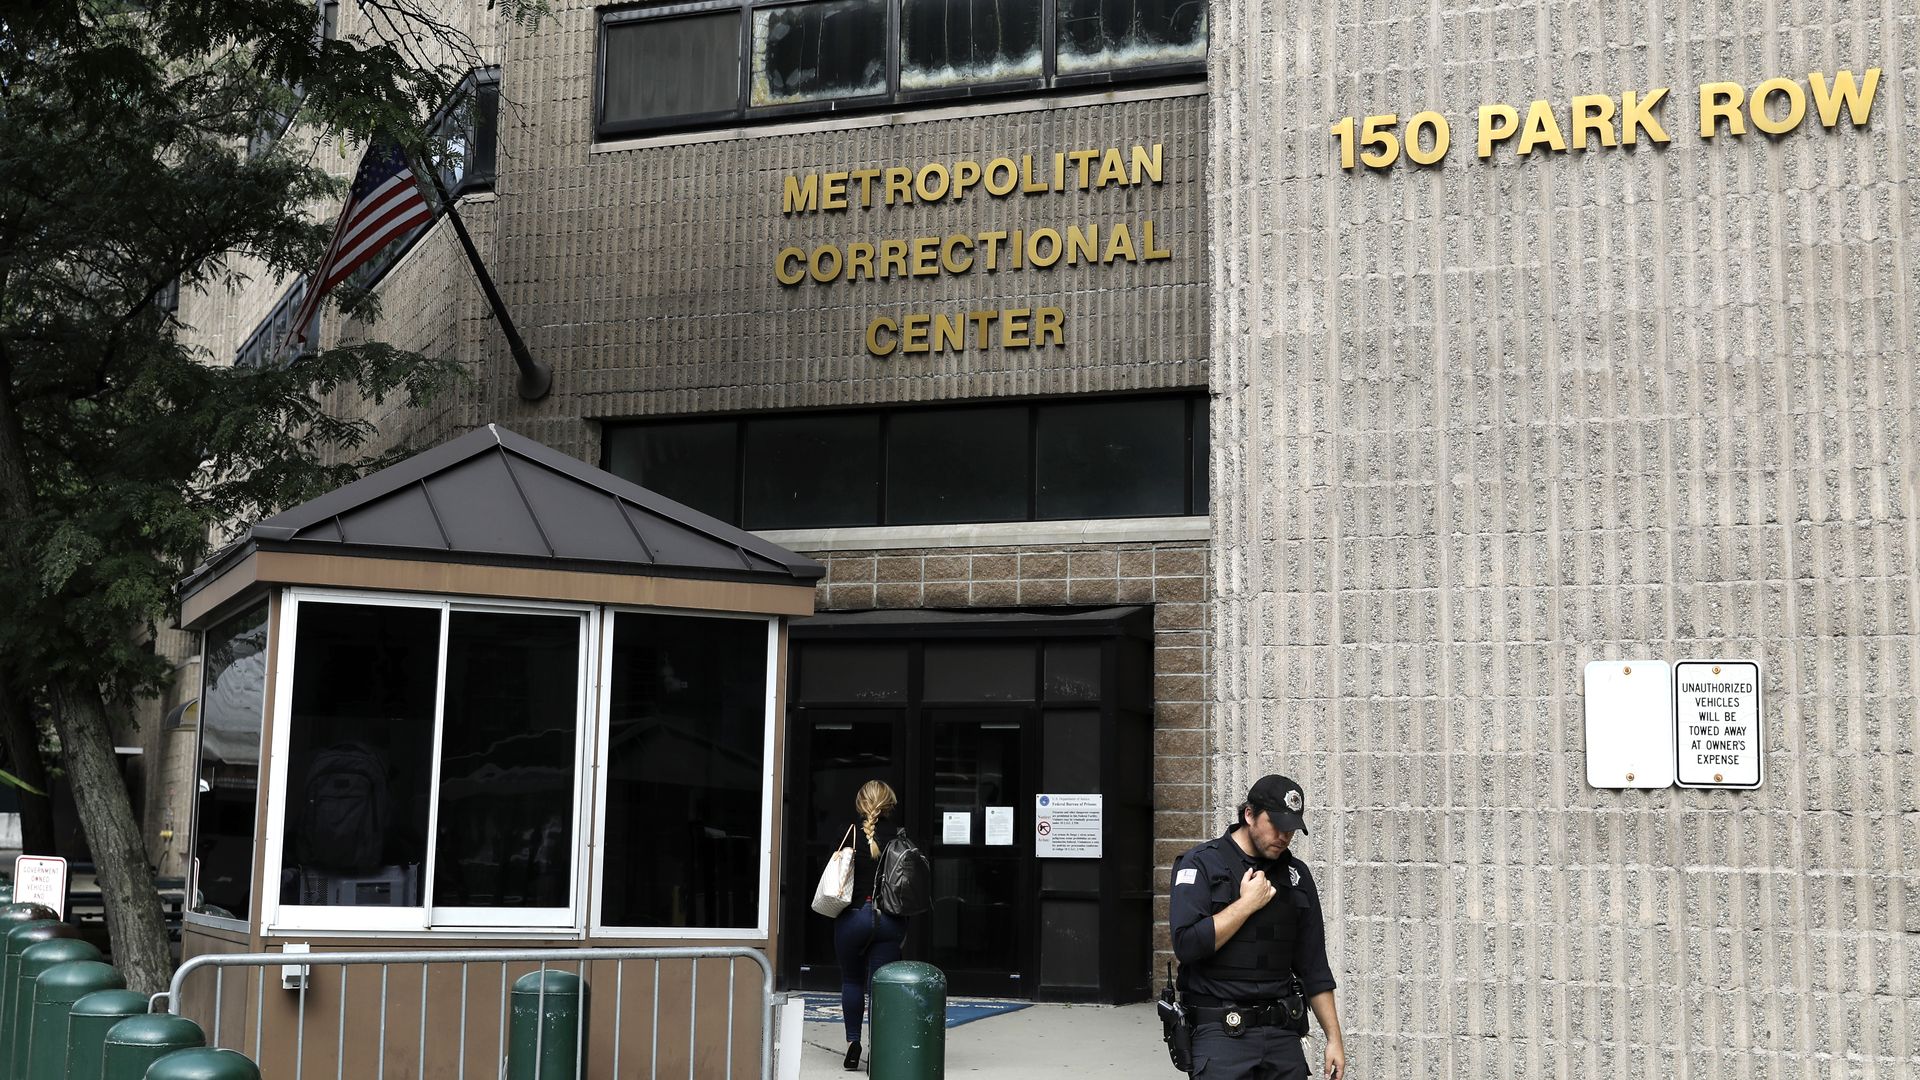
<point x="864" y="937"/>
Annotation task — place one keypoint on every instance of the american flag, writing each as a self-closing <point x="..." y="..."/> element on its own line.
<point x="383" y="205"/>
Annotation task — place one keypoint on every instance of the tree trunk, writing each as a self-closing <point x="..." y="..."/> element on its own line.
<point x="134" y="923"/>
<point x="21" y="737"/>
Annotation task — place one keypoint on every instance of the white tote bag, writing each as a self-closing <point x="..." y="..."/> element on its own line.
<point x="835" y="890"/>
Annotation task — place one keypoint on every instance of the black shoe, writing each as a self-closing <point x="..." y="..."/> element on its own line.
<point x="852" y="1063"/>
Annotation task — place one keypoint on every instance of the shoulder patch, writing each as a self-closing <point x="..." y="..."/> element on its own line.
<point x="1294" y="873"/>
<point x="1186" y="877"/>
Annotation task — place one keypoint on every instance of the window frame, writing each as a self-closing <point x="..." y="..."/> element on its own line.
<point x="745" y="112"/>
<point x="187" y="913"/>
<point x="277" y="918"/>
<point x="769" y="781"/>
<point x="261" y="350"/>
<point x="445" y="122"/>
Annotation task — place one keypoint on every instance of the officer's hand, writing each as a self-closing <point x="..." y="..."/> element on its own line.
<point x="1256" y="889"/>
<point x="1336" y="1060"/>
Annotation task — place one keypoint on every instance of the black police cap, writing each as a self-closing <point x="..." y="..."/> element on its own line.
<point x="1283" y="800"/>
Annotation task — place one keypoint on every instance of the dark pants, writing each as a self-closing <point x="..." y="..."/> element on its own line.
<point x="865" y="939"/>
<point x="1259" y="1053"/>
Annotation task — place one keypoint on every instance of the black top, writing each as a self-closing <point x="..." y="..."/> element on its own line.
<point x="1205" y="880"/>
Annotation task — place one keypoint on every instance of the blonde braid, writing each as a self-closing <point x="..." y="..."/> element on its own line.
<point x="873" y="802"/>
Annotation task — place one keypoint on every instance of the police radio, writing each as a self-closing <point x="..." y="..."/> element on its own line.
<point x="1173" y="1024"/>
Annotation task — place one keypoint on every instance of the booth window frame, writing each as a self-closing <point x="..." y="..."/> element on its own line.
<point x="769" y="780"/>
<point x="277" y="917"/>
<point x="583" y="915"/>
<point x="270" y="606"/>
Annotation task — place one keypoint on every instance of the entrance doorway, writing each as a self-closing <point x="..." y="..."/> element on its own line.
<point x="971" y="718"/>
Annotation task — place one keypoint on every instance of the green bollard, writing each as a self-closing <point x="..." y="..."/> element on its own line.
<point x="27" y="912"/>
<point x="87" y="1026"/>
<point x="20" y="938"/>
<point x="36" y="961"/>
<point x="54" y="993"/>
<point x="204" y="1064"/>
<point x="553" y="1053"/>
<point x="134" y="1044"/>
<point x="909" y="1022"/>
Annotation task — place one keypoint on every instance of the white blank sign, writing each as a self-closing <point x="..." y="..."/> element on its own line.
<point x="1629" y="723"/>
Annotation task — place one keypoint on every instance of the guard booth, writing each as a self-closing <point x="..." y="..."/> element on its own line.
<point x="487" y="697"/>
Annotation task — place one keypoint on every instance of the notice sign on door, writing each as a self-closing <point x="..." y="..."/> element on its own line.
<point x="1066" y="826"/>
<point x="41" y="879"/>
<point x="1716" y="722"/>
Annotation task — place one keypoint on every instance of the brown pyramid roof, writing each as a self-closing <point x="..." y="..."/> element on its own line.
<point x="497" y="498"/>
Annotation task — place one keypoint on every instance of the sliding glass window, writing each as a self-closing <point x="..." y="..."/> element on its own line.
<point x="432" y="770"/>
<point x="687" y="801"/>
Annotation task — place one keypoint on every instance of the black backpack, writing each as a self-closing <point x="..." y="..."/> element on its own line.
<point x="343" y="820"/>
<point x="903" y="882"/>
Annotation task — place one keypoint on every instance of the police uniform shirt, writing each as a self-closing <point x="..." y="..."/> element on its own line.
<point x="1205" y="880"/>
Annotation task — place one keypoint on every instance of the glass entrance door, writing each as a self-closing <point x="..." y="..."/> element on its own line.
<point x="842" y="749"/>
<point x="978" y="798"/>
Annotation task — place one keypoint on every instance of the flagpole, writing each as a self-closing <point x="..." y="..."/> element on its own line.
<point x="536" y="376"/>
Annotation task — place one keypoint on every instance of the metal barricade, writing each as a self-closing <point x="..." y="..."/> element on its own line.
<point x="575" y="960"/>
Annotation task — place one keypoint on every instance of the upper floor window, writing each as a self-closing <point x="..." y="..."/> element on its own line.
<point x="270" y="344"/>
<point x="727" y="61"/>
<point x="468" y="127"/>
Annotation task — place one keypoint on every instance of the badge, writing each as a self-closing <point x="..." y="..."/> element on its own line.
<point x="1293" y="873"/>
<point x="1294" y="801"/>
<point x="1232" y="1022"/>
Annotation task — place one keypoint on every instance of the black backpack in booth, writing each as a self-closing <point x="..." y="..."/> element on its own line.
<point x="903" y="882"/>
<point x="343" y="816"/>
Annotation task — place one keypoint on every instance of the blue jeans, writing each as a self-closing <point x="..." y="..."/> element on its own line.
<point x="865" y="939"/>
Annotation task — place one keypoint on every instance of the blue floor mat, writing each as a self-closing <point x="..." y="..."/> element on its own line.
<point x="825" y="1008"/>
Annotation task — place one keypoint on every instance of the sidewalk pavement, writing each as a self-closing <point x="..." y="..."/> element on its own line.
<point x="1036" y="1041"/>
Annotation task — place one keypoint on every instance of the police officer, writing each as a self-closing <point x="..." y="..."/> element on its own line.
<point x="1252" y="947"/>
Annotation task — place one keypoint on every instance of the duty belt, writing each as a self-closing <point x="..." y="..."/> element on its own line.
<point x="1287" y="1012"/>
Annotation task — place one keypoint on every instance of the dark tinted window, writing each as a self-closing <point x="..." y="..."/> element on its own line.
<point x="1112" y="457"/>
<point x="979" y="671"/>
<point x="696" y="463"/>
<point x="1202" y="454"/>
<point x="507" y="761"/>
<point x="820" y="50"/>
<point x="686" y="768"/>
<point x="813" y="471"/>
<point x="954" y="465"/>
<point x="1125" y="458"/>
<point x="960" y="42"/>
<point x="663" y="68"/>
<point x="842" y="673"/>
<point x="232" y="701"/>
<point x="360" y="755"/>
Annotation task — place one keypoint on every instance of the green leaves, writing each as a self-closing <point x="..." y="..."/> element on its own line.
<point x="125" y="166"/>
<point x="11" y="780"/>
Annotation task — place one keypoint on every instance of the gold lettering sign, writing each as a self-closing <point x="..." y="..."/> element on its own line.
<point x="1067" y="244"/>
<point x="1601" y="121"/>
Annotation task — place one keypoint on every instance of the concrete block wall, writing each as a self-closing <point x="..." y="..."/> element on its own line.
<point x="1481" y="423"/>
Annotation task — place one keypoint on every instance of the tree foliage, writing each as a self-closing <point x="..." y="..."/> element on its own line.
<point x="130" y="168"/>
